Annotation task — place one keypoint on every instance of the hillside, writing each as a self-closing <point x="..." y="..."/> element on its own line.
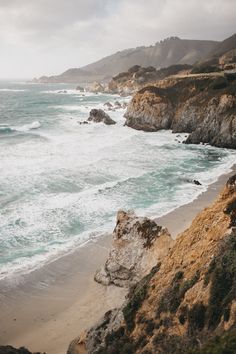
<point x="221" y="49"/>
<point x="168" y="52"/>
<point x="187" y="303"/>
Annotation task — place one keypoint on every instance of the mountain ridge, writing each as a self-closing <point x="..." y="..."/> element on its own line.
<point x="168" y="52"/>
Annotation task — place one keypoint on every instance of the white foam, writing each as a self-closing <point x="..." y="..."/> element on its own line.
<point x="25" y="128"/>
<point x="85" y="173"/>
<point x="11" y="90"/>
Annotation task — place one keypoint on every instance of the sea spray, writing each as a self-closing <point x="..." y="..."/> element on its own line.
<point x="61" y="182"/>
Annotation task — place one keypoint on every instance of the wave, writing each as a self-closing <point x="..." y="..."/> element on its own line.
<point x="11" y="90"/>
<point x="69" y="92"/>
<point x="24" y="128"/>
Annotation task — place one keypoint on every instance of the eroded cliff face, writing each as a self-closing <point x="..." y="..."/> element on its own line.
<point x="138" y="243"/>
<point x="137" y="77"/>
<point x="186" y="300"/>
<point x="203" y="106"/>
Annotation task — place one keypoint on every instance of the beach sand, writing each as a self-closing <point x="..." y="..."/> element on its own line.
<point x="49" y="307"/>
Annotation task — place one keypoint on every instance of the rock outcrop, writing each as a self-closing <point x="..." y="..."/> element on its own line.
<point x="96" y="87"/>
<point x="80" y="88"/>
<point x="137" y="77"/>
<point x="203" y="106"/>
<point x="99" y="116"/>
<point x="11" y="350"/>
<point x="184" y="302"/>
<point x="137" y="245"/>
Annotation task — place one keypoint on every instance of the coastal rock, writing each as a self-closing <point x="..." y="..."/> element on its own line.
<point x="138" y="243"/>
<point x="88" y="342"/>
<point x="195" y="181"/>
<point x="198" y="106"/>
<point x="108" y="105"/>
<point x="96" y="87"/>
<point x="84" y="122"/>
<point x="98" y="116"/>
<point x="150" y="110"/>
<point x="219" y="125"/>
<point x="80" y="88"/>
<point x="11" y="350"/>
<point x="137" y="77"/>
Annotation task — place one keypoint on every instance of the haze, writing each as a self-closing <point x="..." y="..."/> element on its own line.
<point x="46" y="37"/>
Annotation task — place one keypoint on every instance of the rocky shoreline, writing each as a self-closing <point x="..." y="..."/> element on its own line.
<point x="181" y="292"/>
<point x="204" y="107"/>
<point x="198" y="241"/>
<point x="187" y="298"/>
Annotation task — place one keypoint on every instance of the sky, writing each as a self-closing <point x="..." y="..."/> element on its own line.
<point x="47" y="37"/>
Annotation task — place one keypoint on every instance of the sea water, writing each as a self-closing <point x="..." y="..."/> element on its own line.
<point x="62" y="182"/>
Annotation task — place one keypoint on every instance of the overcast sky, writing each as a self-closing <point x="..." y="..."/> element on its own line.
<point x="40" y="37"/>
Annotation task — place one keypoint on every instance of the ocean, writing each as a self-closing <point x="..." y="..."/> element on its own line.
<point x="62" y="183"/>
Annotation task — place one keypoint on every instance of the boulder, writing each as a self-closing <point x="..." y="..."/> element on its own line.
<point x="11" y="350"/>
<point x="117" y="104"/>
<point x="108" y="105"/>
<point x="80" y="88"/>
<point x="88" y="341"/>
<point x="99" y="116"/>
<point x="138" y="244"/>
<point x="97" y="87"/>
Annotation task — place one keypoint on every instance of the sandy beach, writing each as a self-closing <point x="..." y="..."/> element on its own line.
<point x="47" y="308"/>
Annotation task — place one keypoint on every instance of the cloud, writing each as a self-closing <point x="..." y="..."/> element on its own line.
<point x="48" y="36"/>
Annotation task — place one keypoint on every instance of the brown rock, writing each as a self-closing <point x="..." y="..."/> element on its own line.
<point x="99" y="116"/>
<point x="138" y="244"/>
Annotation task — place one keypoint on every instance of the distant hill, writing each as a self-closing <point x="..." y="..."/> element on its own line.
<point x="219" y="50"/>
<point x="224" y="46"/>
<point x="170" y="51"/>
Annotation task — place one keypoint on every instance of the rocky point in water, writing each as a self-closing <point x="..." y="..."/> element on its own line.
<point x="138" y="243"/>
<point x="99" y="116"/>
<point x="203" y="106"/>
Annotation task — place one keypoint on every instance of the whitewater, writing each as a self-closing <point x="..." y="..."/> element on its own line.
<point x="62" y="182"/>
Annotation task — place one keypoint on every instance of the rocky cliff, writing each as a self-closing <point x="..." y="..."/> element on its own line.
<point x="187" y="303"/>
<point x="138" y="242"/>
<point x="202" y="105"/>
<point x="137" y="77"/>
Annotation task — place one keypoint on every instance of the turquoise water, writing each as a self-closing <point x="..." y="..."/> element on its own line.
<point x="61" y="183"/>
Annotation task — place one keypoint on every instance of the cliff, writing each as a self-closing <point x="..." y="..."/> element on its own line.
<point x="202" y="105"/>
<point x="187" y="303"/>
<point x="137" y="77"/>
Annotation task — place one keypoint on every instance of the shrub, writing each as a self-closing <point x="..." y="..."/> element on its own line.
<point x="225" y="344"/>
<point x="173" y="296"/>
<point x="205" y="69"/>
<point x="219" y="83"/>
<point x="183" y="315"/>
<point x="150" y="327"/>
<point x="222" y="275"/>
<point x="136" y="296"/>
<point x="196" y="318"/>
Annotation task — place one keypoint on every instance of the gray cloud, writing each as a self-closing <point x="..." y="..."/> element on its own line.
<point x="48" y="36"/>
